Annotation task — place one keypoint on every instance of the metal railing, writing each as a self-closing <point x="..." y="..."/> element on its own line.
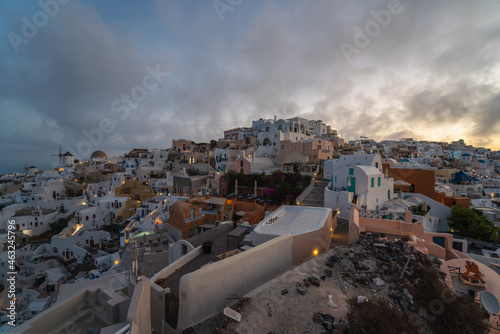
<point x="372" y="214"/>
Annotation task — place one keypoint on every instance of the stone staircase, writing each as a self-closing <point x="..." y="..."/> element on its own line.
<point x="317" y="195"/>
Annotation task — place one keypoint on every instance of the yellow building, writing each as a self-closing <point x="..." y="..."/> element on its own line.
<point x="136" y="192"/>
<point x="444" y="175"/>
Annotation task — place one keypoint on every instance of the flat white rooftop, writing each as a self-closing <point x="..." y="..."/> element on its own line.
<point x="293" y="219"/>
<point x="216" y="201"/>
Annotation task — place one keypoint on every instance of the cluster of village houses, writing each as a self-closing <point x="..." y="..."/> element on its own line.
<point x="159" y="239"/>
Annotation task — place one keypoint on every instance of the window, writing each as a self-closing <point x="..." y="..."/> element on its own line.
<point x="241" y="163"/>
<point x="335" y="178"/>
<point x="282" y="147"/>
<point x="379" y="181"/>
<point x="319" y="147"/>
<point x="294" y="147"/>
<point x="373" y="182"/>
<point x="190" y="232"/>
<point x="184" y="249"/>
<point x="351" y="171"/>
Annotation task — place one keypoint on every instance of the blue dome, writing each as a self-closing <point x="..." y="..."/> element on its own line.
<point x="405" y="160"/>
<point x="466" y="155"/>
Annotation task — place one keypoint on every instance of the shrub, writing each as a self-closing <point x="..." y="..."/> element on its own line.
<point x="377" y="316"/>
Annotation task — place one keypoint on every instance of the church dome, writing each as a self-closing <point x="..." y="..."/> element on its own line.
<point x="99" y="155"/>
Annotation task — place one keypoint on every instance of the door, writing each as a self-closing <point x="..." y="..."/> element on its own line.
<point x="352" y="187"/>
<point x="171" y="309"/>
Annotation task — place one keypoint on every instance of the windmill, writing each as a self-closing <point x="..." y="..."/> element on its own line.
<point x="58" y="155"/>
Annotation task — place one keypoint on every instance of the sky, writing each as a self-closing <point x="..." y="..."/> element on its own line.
<point x="115" y="75"/>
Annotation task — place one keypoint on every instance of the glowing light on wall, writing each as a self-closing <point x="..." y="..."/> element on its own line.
<point x="315" y="252"/>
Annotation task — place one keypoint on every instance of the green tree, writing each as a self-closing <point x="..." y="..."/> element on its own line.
<point x="473" y="224"/>
<point x="193" y="171"/>
<point x="59" y="225"/>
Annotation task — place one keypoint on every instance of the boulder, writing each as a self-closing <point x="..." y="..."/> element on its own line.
<point x="317" y="318"/>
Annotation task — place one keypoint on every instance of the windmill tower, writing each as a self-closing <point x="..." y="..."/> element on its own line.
<point x="58" y="155"/>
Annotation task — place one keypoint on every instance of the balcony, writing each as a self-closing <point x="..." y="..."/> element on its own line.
<point x="188" y="220"/>
<point x="381" y="215"/>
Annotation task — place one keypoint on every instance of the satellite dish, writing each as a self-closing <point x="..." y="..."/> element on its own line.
<point x="489" y="302"/>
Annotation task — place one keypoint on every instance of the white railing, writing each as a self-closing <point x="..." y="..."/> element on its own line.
<point x="306" y="192"/>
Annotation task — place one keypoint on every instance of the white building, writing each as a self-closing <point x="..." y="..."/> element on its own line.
<point x="68" y="160"/>
<point x="360" y="158"/>
<point x="111" y="207"/>
<point x="34" y="221"/>
<point x="364" y="186"/>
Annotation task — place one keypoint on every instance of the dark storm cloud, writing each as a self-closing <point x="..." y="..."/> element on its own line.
<point x="422" y="70"/>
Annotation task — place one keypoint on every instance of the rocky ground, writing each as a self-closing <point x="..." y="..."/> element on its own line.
<point x="312" y="298"/>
